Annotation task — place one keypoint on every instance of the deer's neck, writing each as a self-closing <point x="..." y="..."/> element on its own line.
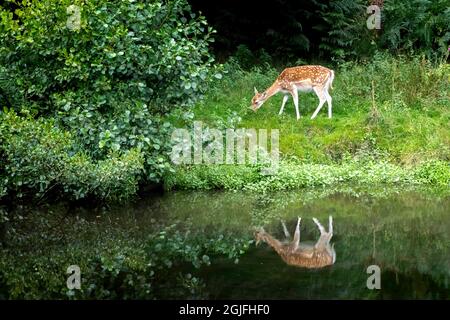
<point x="272" y="90"/>
<point x="274" y="243"/>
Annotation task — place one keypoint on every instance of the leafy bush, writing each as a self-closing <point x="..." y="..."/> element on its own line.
<point x="37" y="157"/>
<point x="330" y="29"/>
<point x="345" y="34"/>
<point x="407" y="26"/>
<point x="434" y="172"/>
<point x="111" y="79"/>
<point x="247" y="59"/>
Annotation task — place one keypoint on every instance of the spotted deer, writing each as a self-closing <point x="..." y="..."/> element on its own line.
<point x="304" y="78"/>
<point x="299" y="254"/>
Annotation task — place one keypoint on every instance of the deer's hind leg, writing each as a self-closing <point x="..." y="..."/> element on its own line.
<point x="329" y="99"/>
<point x="330" y="225"/>
<point x="320" y="226"/>
<point x="285" y="99"/>
<point x="294" y="94"/>
<point x="325" y="237"/>
<point x="322" y="229"/>
<point x="320" y="92"/>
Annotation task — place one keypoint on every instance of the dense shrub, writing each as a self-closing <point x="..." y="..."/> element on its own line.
<point x="111" y="79"/>
<point x="345" y="33"/>
<point x="38" y="157"/>
<point x="407" y="26"/>
<point x="434" y="172"/>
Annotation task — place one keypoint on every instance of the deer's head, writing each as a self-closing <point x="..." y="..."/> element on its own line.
<point x="258" y="99"/>
<point x="259" y="235"/>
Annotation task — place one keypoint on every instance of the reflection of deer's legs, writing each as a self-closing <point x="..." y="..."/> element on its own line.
<point x="297" y="234"/>
<point x="321" y="228"/>
<point x="330" y="224"/>
<point x="323" y="241"/>
<point x="286" y="232"/>
<point x="325" y="237"/>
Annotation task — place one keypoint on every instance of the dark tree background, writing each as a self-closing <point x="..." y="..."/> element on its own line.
<point x="284" y="29"/>
<point x="281" y="27"/>
<point x="327" y="29"/>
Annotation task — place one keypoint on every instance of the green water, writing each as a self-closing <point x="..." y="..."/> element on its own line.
<point x="404" y="231"/>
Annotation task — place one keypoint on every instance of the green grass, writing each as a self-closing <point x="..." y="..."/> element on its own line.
<point x="394" y="111"/>
<point x="408" y="121"/>
<point x="293" y="175"/>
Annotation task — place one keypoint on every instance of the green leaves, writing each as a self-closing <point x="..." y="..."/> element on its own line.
<point x="417" y="26"/>
<point x="292" y="175"/>
<point x="112" y="82"/>
<point x="39" y="157"/>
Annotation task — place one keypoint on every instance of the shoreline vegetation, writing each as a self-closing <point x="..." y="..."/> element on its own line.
<point x="397" y="134"/>
<point x="293" y="176"/>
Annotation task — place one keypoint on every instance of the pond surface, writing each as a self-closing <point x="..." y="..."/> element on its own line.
<point x="403" y="231"/>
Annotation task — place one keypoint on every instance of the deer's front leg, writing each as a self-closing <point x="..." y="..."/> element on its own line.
<point x="285" y="99"/>
<point x="296" y="240"/>
<point x="285" y="230"/>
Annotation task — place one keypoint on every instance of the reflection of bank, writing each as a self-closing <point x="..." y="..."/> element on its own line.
<point x="299" y="254"/>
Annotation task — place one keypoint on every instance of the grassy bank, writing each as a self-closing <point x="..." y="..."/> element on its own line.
<point x="294" y="175"/>
<point x="390" y="125"/>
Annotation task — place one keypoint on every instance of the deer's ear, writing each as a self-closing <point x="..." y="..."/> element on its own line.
<point x="256" y="91"/>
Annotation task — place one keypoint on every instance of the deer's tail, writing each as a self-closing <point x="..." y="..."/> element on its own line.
<point x="330" y="79"/>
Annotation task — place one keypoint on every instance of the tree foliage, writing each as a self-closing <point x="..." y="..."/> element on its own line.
<point x="328" y="29"/>
<point x="108" y="72"/>
<point x="417" y="25"/>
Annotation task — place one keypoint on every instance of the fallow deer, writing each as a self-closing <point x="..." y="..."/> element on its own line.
<point x="300" y="254"/>
<point x="304" y="78"/>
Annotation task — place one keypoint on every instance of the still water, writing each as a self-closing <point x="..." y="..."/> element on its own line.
<point x="403" y="231"/>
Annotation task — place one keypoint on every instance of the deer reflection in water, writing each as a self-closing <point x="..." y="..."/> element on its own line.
<point x="300" y="254"/>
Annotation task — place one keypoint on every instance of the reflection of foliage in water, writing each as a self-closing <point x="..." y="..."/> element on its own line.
<point x="226" y="208"/>
<point x="186" y="244"/>
<point x="119" y="258"/>
<point x="403" y="230"/>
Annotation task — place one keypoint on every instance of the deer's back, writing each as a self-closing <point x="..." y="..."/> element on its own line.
<point x="308" y="256"/>
<point x="316" y="74"/>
